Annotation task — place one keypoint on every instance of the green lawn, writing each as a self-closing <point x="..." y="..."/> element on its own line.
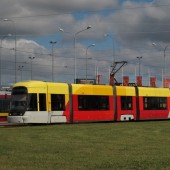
<point x="93" y="146"/>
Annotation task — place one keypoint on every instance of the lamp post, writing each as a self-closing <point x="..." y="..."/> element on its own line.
<point x="61" y="29"/>
<point x="14" y="47"/>
<point x="75" y="64"/>
<point x="52" y="54"/>
<point x="164" y="55"/>
<point x="92" y="45"/>
<point x="20" y="68"/>
<point x="1" y="55"/>
<point x="139" y="58"/>
<point x="31" y="58"/>
<point x="111" y="37"/>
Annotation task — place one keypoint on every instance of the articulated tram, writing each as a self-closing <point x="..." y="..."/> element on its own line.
<point x="50" y="102"/>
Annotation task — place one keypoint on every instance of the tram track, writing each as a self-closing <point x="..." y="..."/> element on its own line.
<point x="9" y="125"/>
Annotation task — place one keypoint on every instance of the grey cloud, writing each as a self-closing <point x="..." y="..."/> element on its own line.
<point x="68" y="5"/>
<point x="133" y="28"/>
<point x="146" y="24"/>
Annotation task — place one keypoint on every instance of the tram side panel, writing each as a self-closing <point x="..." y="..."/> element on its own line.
<point x="92" y="103"/>
<point x="125" y="103"/>
<point x="154" y="103"/>
<point x="59" y="108"/>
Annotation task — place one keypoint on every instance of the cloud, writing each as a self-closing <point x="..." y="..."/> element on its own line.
<point x="67" y="5"/>
<point x="142" y="24"/>
<point x="133" y="26"/>
<point x="31" y="16"/>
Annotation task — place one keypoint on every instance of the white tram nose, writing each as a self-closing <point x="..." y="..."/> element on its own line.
<point x="17" y="119"/>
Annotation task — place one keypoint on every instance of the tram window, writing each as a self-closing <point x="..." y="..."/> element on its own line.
<point x="126" y="102"/>
<point x="33" y="102"/>
<point x="57" y="102"/>
<point x="4" y="105"/>
<point x="88" y="102"/>
<point x="19" y="90"/>
<point x="1" y="106"/>
<point x="155" y="103"/>
<point x="42" y="102"/>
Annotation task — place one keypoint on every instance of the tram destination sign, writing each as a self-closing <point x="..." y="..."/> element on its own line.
<point x="85" y="81"/>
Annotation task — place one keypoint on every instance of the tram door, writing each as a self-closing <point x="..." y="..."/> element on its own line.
<point x="39" y="114"/>
<point x="58" y="108"/>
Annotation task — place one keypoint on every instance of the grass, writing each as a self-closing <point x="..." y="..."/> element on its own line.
<point x="95" y="146"/>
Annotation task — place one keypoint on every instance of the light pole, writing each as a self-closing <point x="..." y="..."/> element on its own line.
<point x="61" y="29"/>
<point x="14" y="47"/>
<point x="139" y="58"/>
<point x="52" y="54"/>
<point x="164" y="54"/>
<point x="92" y="45"/>
<point x="1" y="56"/>
<point x="31" y="58"/>
<point x="111" y="37"/>
<point x="75" y="35"/>
<point x="20" y="68"/>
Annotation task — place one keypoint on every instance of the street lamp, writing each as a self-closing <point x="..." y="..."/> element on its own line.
<point x="61" y="29"/>
<point x="52" y="54"/>
<point x="139" y="58"/>
<point x="1" y="55"/>
<point x="31" y="58"/>
<point x="92" y="45"/>
<point x="164" y="54"/>
<point x="111" y="37"/>
<point x="20" y="68"/>
<point x="75" y="71"/>
<point x="14" y="47"/>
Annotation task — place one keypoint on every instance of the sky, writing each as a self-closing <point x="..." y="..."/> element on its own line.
<point x="121" y="30"/>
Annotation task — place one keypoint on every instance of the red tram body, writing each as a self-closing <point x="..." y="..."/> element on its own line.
<point x="5" y="97"/>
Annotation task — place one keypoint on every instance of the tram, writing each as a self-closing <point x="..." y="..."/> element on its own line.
<point x="50" y="102"/>
<point x="5" y="97"/>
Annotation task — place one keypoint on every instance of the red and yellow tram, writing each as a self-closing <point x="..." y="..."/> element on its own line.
<point x="49" y="102"/>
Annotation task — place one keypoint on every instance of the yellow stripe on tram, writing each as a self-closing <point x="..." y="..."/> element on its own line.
<point x="3" y="114"/>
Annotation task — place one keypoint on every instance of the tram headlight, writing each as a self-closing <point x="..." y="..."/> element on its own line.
<point x="16" y="114"/>
<point x="21" y="114"/>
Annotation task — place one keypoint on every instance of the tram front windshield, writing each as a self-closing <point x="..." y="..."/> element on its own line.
<point x="19" y="101"/>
